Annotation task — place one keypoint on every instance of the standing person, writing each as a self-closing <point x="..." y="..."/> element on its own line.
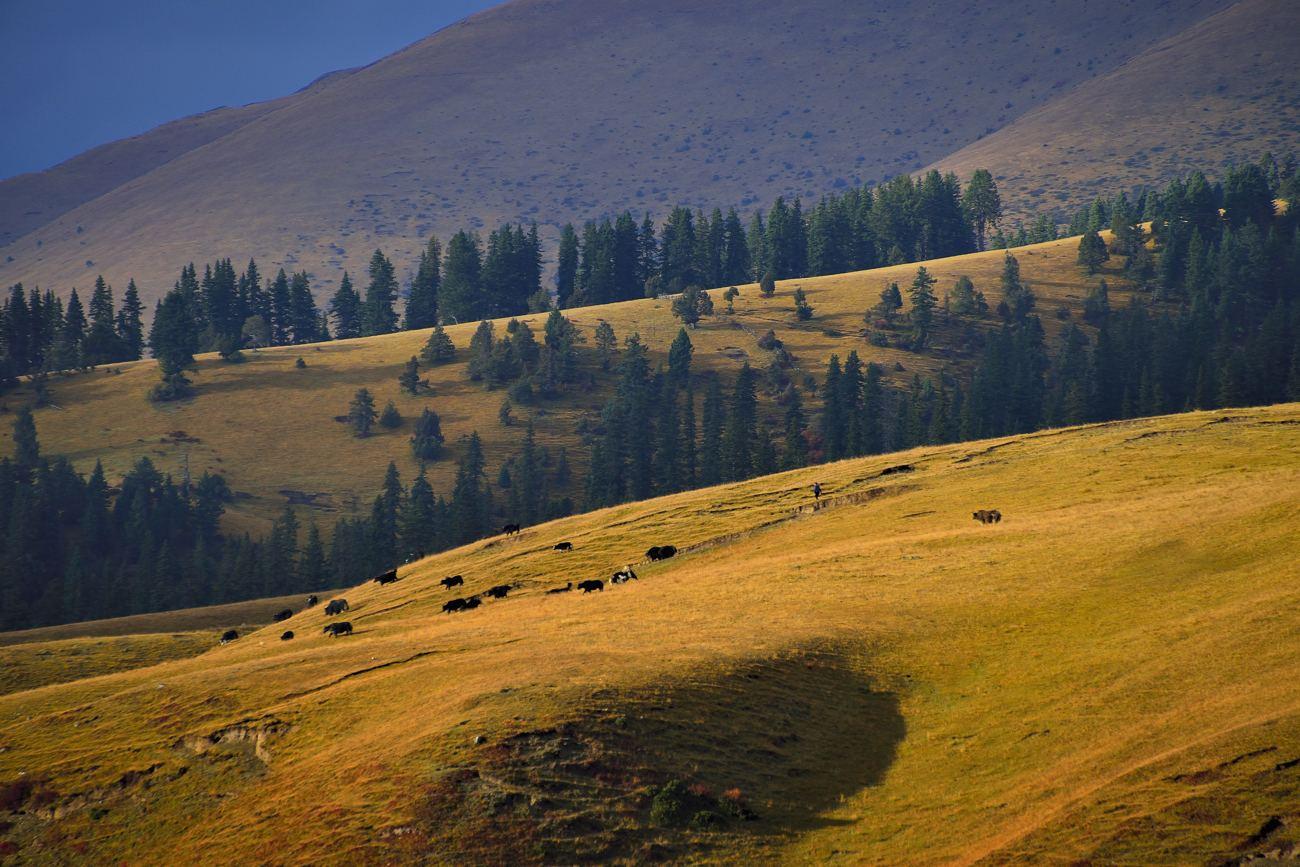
<point x="817" y="492"/>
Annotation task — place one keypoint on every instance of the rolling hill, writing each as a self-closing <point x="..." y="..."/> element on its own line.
<point x="547" y="111"/>
<point x="1222" y="90"/>
<point x="265" y="424"/>
<point x="1108" y="675"/>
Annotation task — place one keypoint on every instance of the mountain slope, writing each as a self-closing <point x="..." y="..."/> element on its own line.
<point x="1106" y="675"/>
<point x="554" y="111"/>
<point x="1226" y="89"/>
<point x="104" y="414"/>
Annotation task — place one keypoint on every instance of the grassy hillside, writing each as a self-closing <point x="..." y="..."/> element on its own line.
<point x="545" y="111"/>
<point x="266" y="424"/>
<point x="1106" y="675"/>
<point x="1223" y="90"/>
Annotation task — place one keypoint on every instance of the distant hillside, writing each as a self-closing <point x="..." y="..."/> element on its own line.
<point x="549" y="111"/>
<point x="1107" y="676"/>
<point x="1225" y="89"/>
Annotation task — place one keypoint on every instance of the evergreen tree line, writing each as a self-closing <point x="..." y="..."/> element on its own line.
<point x="74" y="548"/>
<point x="40" y="334"/>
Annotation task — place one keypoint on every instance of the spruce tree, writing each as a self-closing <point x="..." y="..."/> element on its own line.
<point x="1092" y="252"/>
<point x="921" y="294"/>
<point x="471" y="503"/>
<point x="378" y="315"/>
<point x="281" y="321"/>
<point x="767" y="285"/>
<point x="742" y="422"/>
<point x="304" y="318"/>
<point x="409" y="379"/>
<point x="481" y="347"/>
<point x="606" y="344"/>
<point x="390" y="417"/>
<point x="802" y="309"/>
<point x="891" y="301"/>
<point x="711" y="470"/>
<point x="686" y="443"/>
<point x="174" y="340"/>
<point x="461" y="296"/>
<point x="422" y="303"/>
<point x="101" y="345"/>
<point x="427" y="439"/>
<point x="130" y="324"/>
<point x="27" y="450"/>
<point x="795" y="454"/>
<point x="566" y="271"/>
<point x="313" y="571"/>
<point x="417" y="523"/>
<point x="345" y="309"/>
<point x="438" y="349"/>
<point x="982" y="203"/>
<point x="361" y="413"/>
<point x="679" y="359"/>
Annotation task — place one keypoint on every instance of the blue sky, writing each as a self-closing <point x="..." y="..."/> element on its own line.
<point x="78" y="73"/>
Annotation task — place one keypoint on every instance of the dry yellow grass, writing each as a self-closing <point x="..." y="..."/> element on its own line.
<point x="268" y="426"/>
<point x="1109" y="674"/>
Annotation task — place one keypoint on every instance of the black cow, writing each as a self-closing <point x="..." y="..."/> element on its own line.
<point x="565" y="589"/>
<point x="510" y="529"/>
<point x="562" y="546"/>
<point x="387" y="578"/>
<point x="283" y="615"/>
<point x="472" y="602"/>
<point x="228" y="636"/>
<point x="452" y="581"/>
<point x="661" y="552"/>
<point x="288" y="636"/>
<point x="336" y="607"/>
<point x="590" y="585"/>
<point x="312" y="600"/>
<point x="498" y="592"/>
<point x="453" y="605"/>
<point x="623" y="576"/>
<point x="334" y="630"/>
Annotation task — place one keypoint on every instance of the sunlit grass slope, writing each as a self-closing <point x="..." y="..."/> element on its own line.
<point x="1109" y="674"/>
<point x="269" y="427"/>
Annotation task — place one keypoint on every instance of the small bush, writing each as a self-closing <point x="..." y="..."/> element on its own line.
<point x="300" y="364"/>
<point x="669" y="804"/>
<point x="879" y="338"/>
<point x="769" y="341"/>
<point x="705" y="819"/>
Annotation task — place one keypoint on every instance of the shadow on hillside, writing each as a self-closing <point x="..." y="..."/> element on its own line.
<point x="789" y="736"/>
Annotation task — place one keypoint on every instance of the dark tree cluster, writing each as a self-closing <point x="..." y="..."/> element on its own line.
<point x="77" y="548"/>
<point x="40" y="334"/>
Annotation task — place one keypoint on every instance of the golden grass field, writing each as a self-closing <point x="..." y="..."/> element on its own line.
<point x="1108" y="676"/>
<point x="267" y="426"/>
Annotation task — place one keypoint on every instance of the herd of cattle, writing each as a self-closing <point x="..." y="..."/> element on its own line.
<point x="335" y="607"/>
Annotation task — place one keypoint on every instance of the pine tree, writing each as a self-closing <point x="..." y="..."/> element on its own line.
<point x="693" y="304"/>
<point x="281" y="321"/>
<point x="174" y="340"/>
<point x="834" y="426"/>
<point x="921" y="294"/>
<point x="679" y="359"/>
<point x="795" y="454"/>
<point x="313" y="573"/>
<point x="74" y="334"/>
<point x="417" y="524"/>
<point x="742" y="421"/>
<point x="304" y="318"/>
<point x="802" y="309"/>
<point x="409" y="379"/>
<point x="767" y="285"/>
<point x="378" y="315"/>
<point x="438" y="349"/>
<point x="101" y="345"/>
<point x="461" y="298"/>
<point x="422" y="303"/>
<point x="471" y="503"/>
<point x="130" y="324"/>
<point x="481" y="347"/>
<point x="1017" y="298"/>
<point x="967" y="300"/>
<point x="711" y="423"/>
<point x="345" y="308"/>
<point x="361" y="413"/>
<point x="1092" y="252"/>
<point x="891" y="301"/>
<point x="390" y="417"/>
<point x="982" y="203"/>
<point x="27" y="450"/>
<point x="686" y="443"/>
<point x="606" y="344"/>
<point x="427" y="439"/>
<point x="566" y="271"/>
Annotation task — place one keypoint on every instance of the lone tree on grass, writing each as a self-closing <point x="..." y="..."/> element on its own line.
<point x="427" y="440"/>
<point x="767" y="285"/>
<point x="891" y="301"/>
<point x="802" y="309"/>
<point x="390" y="417"/>
<point x="921" y="294"/>
<point x="1092" y="252"/>
<point x="361" y="413"/>
<point x="409" y="379"/>
<point x="693" y="304"/>
<point x="439" y="349"/>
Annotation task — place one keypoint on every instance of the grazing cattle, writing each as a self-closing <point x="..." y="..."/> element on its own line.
<point x="228" y="636"/>
<point x="623" y="576"/>
<point x="283" y="615"/>
<point x="661" y="552"/>
<point x="590" y="585"/>
<point x="562" y="546"/>
<point x="987" y="516"/>
<point x="335" y="607"/>
<point x="453" y="605"/>
<point x="387" y="578"/>
<point x="498" y="592"/>
<point x="995" y="515"/>
<point x="334" y="630"/>
<point x="510" y="529"/>
<point x="472" y="602"/>
<point x="565" y="589"/>
<point x="288" y="636"/>
<point x="312" y="600"/>
<point x="452" y="581"/>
